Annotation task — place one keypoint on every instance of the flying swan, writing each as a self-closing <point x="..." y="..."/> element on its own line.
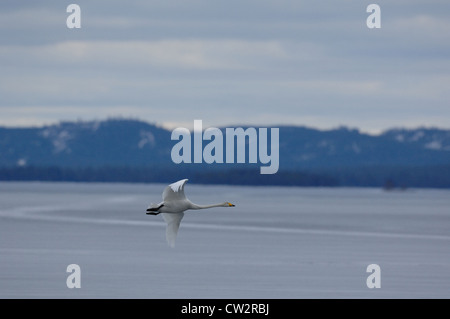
<point x="173" y="206"/>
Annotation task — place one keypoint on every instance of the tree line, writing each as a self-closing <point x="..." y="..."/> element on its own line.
<point x="374" y="176"/>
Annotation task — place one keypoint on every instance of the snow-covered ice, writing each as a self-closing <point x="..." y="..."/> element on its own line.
<point x="278" y="242"/>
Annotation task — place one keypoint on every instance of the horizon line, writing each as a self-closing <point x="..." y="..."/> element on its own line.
<point x="172" y="125"/>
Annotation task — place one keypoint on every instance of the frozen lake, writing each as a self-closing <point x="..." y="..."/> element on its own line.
<point x="278" y="242"/>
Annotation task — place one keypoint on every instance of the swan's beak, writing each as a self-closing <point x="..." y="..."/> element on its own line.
<point x="231" y="205"/>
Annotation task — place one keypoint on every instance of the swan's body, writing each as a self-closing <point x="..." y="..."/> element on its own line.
<point x="174" y="205"/>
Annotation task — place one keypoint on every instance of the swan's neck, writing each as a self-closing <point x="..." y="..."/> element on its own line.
<point x="196" y="206"/>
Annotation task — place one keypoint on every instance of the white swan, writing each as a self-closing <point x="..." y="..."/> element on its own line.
<point x="173" y="206"/>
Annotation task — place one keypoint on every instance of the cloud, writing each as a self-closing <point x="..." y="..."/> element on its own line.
<point x="340" y="87"/>
<point x="301" y="62"/>
<point x="172" y="53"/>
<point x="423" y="24"/>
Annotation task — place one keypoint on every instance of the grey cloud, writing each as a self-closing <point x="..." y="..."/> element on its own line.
<point x="298" y="62"/>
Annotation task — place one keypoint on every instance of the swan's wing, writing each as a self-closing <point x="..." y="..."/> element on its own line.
<point x="173" y="223"/>
<point x="175" y="191"/>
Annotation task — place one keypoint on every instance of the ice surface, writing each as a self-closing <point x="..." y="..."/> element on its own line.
<point x="278" y="242"/>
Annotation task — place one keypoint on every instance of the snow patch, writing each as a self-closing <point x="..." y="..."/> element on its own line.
<point x="307" y="157"/>
<point x="146" y="138"/>
<point x="434" y="145"/>
<point x="58" y="138"/>
<point x="356" y="148"/>
<point x="60" y="142"/>
<point x="21" y="162"/>
<point x="417" y="136"/>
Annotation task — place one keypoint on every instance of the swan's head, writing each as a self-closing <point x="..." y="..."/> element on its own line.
<point x="227" y="204"/>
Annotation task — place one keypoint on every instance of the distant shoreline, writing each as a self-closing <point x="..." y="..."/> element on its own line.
<point x="388" y="178"/>
<point x="135" y="151"/>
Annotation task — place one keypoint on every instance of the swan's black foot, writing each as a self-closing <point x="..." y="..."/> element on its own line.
<point x="153" y="213"/>
<point x="154" y="210"/>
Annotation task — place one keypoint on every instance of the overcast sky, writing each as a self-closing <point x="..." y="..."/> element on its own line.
<point x="261" y="62"/>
